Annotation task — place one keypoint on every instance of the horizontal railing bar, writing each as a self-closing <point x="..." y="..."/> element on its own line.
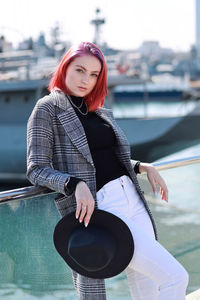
<point x="36" y="191"/>
<point x="24" y="193"/>
<point x="165" y="165"/>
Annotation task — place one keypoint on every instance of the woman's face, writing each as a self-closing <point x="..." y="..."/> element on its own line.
<point x="82" y="75"/>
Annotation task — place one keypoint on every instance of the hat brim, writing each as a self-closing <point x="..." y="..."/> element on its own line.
<point x="119" y="230"/>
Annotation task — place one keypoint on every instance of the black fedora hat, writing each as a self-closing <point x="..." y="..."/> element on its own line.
<point x="101" y="250"/>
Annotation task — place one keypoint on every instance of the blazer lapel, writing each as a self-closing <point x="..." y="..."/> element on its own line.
<point x="72" y="125"/>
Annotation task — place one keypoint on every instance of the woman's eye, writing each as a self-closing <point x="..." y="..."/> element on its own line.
<point x="79" y="70"/>
<point x="94" y="75"/>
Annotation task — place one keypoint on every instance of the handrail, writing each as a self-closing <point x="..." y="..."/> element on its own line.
<point x="165" y="165"/>
<point x="36" y="191"/>
<point x="24" y="193"/>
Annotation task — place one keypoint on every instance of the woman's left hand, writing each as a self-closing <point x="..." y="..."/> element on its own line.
<point x="155" y="178"/>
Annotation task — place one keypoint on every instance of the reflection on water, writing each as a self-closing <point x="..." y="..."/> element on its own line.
<point x="32" y="269"/>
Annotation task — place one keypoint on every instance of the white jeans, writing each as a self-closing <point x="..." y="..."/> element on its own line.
<point x="153" y="273"/>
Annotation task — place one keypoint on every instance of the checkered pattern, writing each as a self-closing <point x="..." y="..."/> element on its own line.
<point x="57" y="148"/>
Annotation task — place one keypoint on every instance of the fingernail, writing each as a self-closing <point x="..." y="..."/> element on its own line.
<point x="80" y="221"/>
<point x="86" y="224"/>
<point x="77" y="217"/>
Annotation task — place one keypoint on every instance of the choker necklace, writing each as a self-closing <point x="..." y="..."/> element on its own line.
<point x="79" y="107"/>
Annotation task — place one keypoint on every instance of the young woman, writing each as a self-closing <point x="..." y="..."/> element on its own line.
<point x="76" y="148"/>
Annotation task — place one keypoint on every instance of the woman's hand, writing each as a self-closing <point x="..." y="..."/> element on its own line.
<point x="155" y="178"/>
<point x="85" y="203"/>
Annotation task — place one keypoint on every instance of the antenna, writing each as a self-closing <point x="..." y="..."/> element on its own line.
<point x="97" y="22"/>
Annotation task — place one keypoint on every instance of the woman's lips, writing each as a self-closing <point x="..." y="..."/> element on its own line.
<point x="82" y="88"/>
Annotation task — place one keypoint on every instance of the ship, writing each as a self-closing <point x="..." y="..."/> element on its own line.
<point x="150" y="137"/>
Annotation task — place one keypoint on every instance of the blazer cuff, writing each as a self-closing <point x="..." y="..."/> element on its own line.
<point x="70" y="185"/>
<point x="136" y="167"/>
<point x="61" y="185"/>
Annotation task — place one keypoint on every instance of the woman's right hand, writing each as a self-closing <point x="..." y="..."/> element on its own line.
<point x="85" y="203"/>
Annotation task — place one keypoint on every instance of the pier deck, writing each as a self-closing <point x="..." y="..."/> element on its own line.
<point x="194" y="296"/>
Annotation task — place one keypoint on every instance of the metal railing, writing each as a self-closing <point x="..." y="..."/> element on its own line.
<point x="37" y="191"/>
<point x="165" y="165"/>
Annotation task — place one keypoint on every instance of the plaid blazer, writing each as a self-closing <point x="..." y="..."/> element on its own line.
<point x="57" y="148"/>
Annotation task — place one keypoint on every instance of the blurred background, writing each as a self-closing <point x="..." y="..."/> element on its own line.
<point x="152" y="50"/>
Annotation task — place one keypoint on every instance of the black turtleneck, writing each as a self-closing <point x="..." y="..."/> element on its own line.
<point x="101" y="141"/>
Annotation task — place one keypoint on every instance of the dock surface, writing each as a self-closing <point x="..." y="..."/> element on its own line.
<point x="194" y="296"/>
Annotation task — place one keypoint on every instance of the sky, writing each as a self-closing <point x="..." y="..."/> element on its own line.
<point x="128" y="22"/>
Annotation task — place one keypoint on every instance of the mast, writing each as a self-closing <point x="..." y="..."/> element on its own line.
<point x="97" y="22"/>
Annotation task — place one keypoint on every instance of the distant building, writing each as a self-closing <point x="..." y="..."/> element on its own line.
<point x="5" y="46"/>
<point x="198" y="27"/>
<point x="153" y="48"/>
<point x="149" y="48"/>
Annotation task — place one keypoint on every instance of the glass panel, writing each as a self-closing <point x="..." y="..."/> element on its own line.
<point x="32" y="269"/>
<point x="30" y="266"/>
<point x="178" y="220"/>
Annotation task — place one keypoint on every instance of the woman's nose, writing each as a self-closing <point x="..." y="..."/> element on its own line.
<point x="85" y="78"/>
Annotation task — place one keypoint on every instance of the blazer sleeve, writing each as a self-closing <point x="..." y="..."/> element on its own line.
<point x="40" y="141"/>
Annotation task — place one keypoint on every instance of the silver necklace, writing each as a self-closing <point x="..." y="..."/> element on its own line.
<point x="79" y="107"/>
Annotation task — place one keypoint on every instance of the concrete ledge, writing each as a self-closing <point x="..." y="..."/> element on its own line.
<point x="194" y="296"/>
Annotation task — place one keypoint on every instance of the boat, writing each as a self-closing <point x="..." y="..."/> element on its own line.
<point x="154" y="137"/>
<point x="154" y="90"/>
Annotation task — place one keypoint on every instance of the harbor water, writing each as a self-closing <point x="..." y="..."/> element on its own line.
<point x="32" y="269"/>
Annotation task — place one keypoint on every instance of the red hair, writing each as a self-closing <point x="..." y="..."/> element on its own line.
<point x="96" y="97"/>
